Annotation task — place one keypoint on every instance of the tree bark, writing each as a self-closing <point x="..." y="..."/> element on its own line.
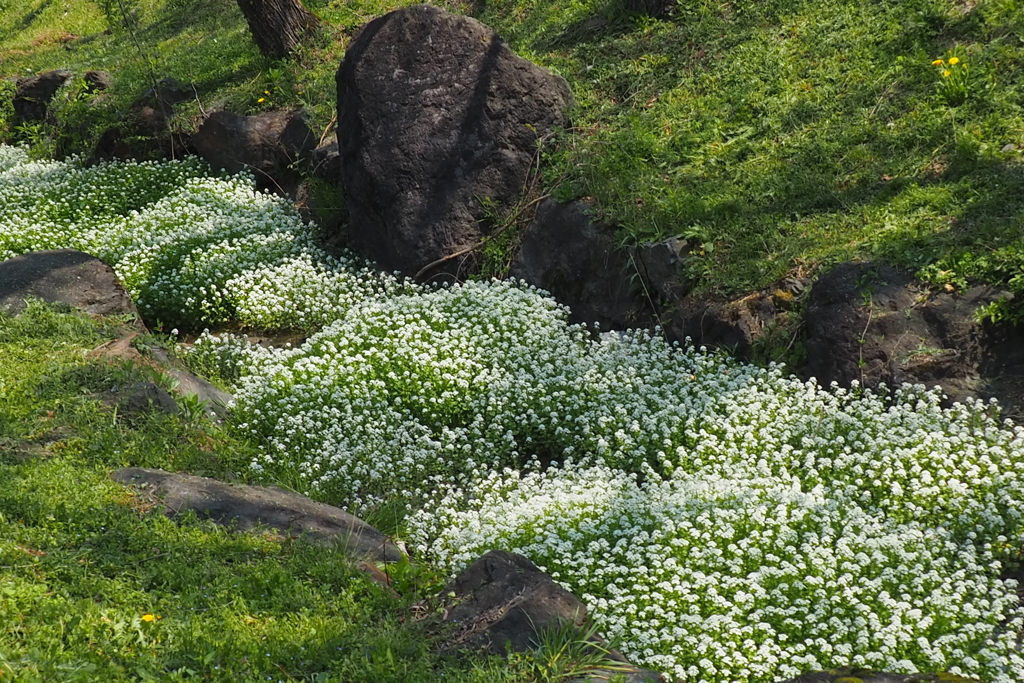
<point x="277" y="26"/>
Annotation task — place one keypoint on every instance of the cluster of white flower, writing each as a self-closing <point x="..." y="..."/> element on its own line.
<point x="727" y="522"/>
<point x="191" y="249"/>
<point x="741" y="579"/>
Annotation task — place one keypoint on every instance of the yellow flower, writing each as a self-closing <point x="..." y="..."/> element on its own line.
<point x="260" y="99"/>
<point x="938" y="62"/>
<point x="148" y="617"/>
<point x="945" y="74"/>
<point x="954" y="60"/>
<point x="266" y="92"/>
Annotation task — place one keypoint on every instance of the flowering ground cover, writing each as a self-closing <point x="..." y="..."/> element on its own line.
<point x="97" y="584"/>
<point x="727" y="522"/>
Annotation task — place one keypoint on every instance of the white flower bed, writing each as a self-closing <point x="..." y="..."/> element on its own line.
<point x="728" y="523"/>
<point x="191" y="249"/>
<point x="720" y="579"/>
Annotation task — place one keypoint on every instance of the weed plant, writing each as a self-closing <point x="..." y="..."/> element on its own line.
<point x="727" y="522"/>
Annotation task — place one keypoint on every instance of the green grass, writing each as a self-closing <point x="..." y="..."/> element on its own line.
<point x="779" y="137"/>
<point x="83" y="560"/>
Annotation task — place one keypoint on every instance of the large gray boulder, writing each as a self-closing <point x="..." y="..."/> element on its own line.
<point x="253" y="507"/>
<point x="64" y="276"/>
<point x="435" y="116"/>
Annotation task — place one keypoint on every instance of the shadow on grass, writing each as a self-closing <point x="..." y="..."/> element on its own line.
<point x="30" y="17"/>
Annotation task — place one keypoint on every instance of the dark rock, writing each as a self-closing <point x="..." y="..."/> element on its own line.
<point x="95" y="81"/>
<point x="849" y="674"/>
<point x="579" y="263"/>
<point x="435" y="115"/>
<point x="145" y="132"/>
<point x="269" y="144"/>
<point x="33" y="94"/>
<point x="253" y="507"/>
<point x="652" y="8"/>
<point x="662" y="267"/>
<point x="732" y="325"/>
<point x="76" y="279"/>
<point x="142" y="397"/>
<point x="325" y="163"/>
<point x="874" y="324"/>
<point x="502" y="600"/>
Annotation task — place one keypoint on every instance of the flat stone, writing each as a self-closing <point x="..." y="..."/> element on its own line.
<point x="246" y="508"/>
<point x="63" y="276"/>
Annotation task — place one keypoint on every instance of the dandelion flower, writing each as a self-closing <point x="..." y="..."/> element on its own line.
<point x="260" y="100"/>
<point x="148" y="617"/>
<point x="938" y="62"/>
<point x="945" y="74"/>
<point x="954" y="60"/>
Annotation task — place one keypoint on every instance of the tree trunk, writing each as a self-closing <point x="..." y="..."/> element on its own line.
<point x="277" y="26"/>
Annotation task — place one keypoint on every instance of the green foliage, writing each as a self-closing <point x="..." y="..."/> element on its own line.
<point x="567" y="652"/>
<point x="953" y="80"/>
<point x="97" y="584"/>
<point x="789" y="135"/>
<point x="7" y="118"/>
<point x="121" y="15"/>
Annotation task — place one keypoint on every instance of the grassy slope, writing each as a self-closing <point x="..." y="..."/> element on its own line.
<point x="82" y="560"/>
<point x="780" y="136"/>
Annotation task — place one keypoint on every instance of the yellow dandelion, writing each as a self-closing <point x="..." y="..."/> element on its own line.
<point x="938" y="62"/>
<point x="148" y="617"/>
<point x="260" y="100"/>
<point x="266" y="92"/>
<point x="945" y="74"/>
<point x="954" y="60"/>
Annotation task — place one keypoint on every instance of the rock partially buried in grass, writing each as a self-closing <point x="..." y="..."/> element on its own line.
<point x="63" y="276"/>
<point x="253" y="507"/>
<point x="503" y="602"/>
<point x="33" y="95"/>
<point x="139" y="398"/>
<point x="566" y="253"/>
